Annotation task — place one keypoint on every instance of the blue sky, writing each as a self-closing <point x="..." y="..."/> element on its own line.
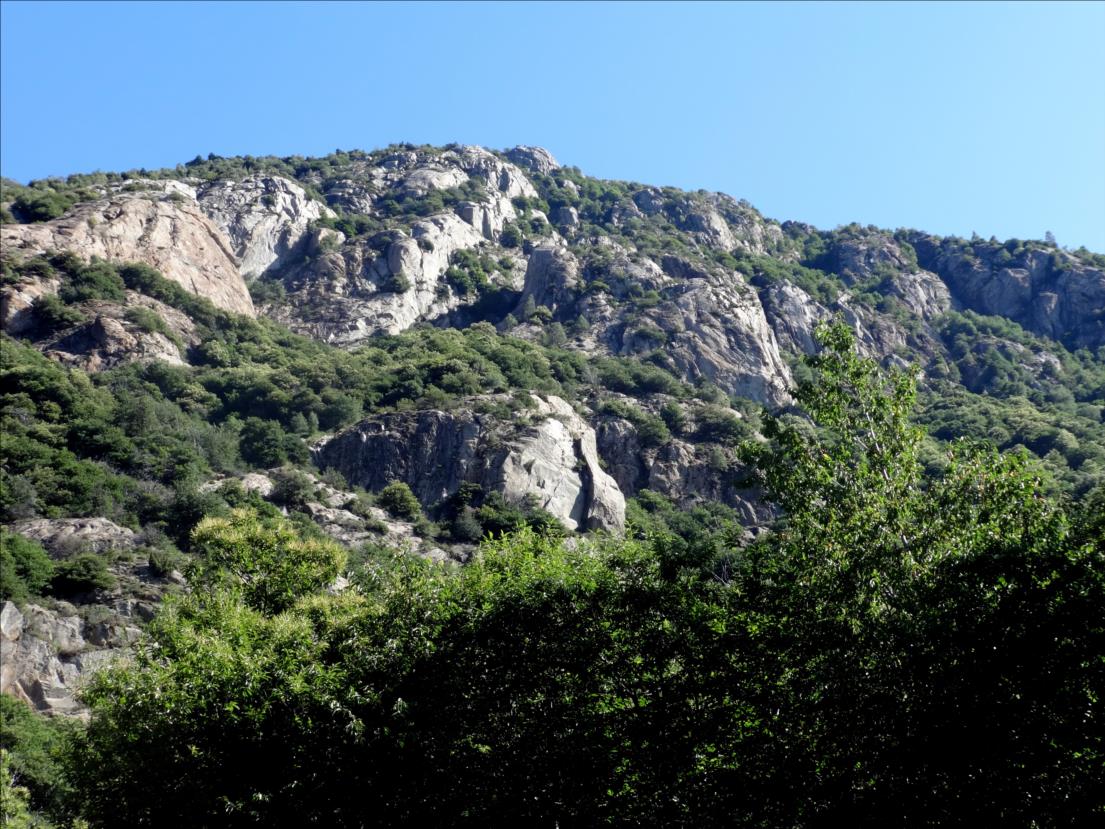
<point x="953" y="118"/>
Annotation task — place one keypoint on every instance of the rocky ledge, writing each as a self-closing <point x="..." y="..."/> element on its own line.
<point x="547" y="452"/>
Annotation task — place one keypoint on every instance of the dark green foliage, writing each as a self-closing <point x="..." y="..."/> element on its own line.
<point x="399" y="501"/>
<point x="41" y="205"/>
<point x="263" y="442"/>
<point x="35" y="746"/>
<point x="673" y="416"/>
<point x="900" y="652"/>
<point x="465" y="526"/>
<point x="52" y="314"/>
<point x="81" y="574"/>
<point x="720" y="425"/>
<point x="165" y="560"/>
<point x="292" y="489"/>
<point x="497" y="517"/>
<point x="469" y="272"/>
<point x="764" y="271"/>
<point x="25" y="569"/>
<point x="511" y="236"/>
<point x="96" y="280"/>
<point x="634" y="378"/>
<point x="906" y="649"/>
<point x="396" y="283"/>
<point x="352" y="225"/>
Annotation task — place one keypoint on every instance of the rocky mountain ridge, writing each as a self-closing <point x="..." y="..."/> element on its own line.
<point x="659" y="322"/>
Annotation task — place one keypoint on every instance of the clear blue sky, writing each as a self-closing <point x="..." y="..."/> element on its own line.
<point x="952" y="118"/>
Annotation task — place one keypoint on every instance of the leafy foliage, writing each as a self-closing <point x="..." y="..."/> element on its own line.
<point x="265" y="560"/>
<point x="25" y="569"/>
<point x="902" y="651"/>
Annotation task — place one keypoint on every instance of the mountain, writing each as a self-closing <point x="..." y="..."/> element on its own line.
<point x="507" y="340"/>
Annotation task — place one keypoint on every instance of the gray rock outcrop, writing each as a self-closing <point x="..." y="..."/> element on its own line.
<point x="265" y="218"/>
<point x="63" y="536"/>
<point x="552" y="458"/>
<point x="715" y="328"/>
<point x="47" y="655"/>
<point x="793" y="315"/>
<point x="169" y="233"/>
<point x="552" y="279"/>
<point x="1047" y="291"/>
<point x="681" y="471"/>
<point x="17" y="303"/>
<point x="536" y="159"/>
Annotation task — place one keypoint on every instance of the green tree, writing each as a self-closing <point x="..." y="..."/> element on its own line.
<point x="399" y="501"/>
<point x="263" y="442"/>
<point x="924" y="632"/>
<point x="266" y="561"/>
<point x="15" y="800"/>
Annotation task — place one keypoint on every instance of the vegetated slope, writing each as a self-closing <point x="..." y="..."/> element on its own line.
<point x="418" y="347"/>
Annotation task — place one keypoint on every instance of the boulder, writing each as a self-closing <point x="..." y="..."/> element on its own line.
<point x="535" y="159"/>
<point x="64" y="536"/>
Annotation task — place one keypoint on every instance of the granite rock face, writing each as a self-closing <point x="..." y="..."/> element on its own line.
<point x="535" y="159"/>
<point x="62" y="536"/>
<point x="169" y="232"/>
<point x="678" y="469"/>
<point x="1047" y="291"/>
<point x="47" y="655"/>
<point x="550" y="456"/>
<point x="265" y="218"/>
<point x="552" y="279"/>
<point x="348" y="295"/>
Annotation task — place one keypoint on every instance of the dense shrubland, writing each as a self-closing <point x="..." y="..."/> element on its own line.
<point x="905" y="649"/>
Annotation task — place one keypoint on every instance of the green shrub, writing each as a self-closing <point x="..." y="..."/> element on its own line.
<point x="165" y="560"/>
<point x="399" y="501"/>
<point x="96" y="280"/>
<point x="33" y="746"/>
<point x="82" y="574"/>
<point x="25" y="568"/>
<point x="263" y="442"/>
<point x="720" y="426"/>
<point x="41" y="205"/>
<point x="52" y="314"/>
<point x="396" y="283"/>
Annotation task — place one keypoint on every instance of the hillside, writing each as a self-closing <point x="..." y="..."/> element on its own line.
<point x="415" y="348"/>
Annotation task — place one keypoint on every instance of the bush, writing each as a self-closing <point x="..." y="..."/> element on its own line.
<point x="269" y="561"/>
<point x="52" y="314"/>
<point x="399" y="501"/>
<point x="396" y="283"/>
<point x="32" y="745"/>
<point x="720" y="426"/>
<point x="511" y="237"/>
<point x="164" y="560"/>
<point x="465" y="527"/>
<point x="96" y="280"/>
<point x="263" y="442"/>
<point x="293" y="489"/>
<point x="41" y="205"/>
<point x="82" y="574"/>
<point x="25" y="569"/>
